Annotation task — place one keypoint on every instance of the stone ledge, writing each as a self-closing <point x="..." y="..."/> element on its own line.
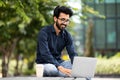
<point x="42" y="78"/>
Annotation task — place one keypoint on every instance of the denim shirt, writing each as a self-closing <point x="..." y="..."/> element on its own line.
<point x="50" y="46"/>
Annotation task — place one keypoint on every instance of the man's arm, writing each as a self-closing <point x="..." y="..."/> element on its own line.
<point x="44" y="50"/>
<point x="70" y="48"/>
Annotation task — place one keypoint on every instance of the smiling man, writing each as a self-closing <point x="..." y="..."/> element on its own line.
<point x="52" y="40"/>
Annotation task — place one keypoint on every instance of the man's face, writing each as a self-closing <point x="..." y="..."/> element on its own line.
<point x="62" y="21"/>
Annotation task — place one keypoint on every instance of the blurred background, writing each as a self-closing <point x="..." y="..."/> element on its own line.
<point x="95" y="28"/>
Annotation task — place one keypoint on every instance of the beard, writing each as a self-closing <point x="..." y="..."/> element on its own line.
<point x="61" y="27"/>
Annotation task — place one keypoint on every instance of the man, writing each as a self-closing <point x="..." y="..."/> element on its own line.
<point x="52" y="40"/>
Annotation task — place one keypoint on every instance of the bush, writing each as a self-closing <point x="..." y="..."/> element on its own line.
<point x="108" y="66"/>
<point x="29" y="72"/>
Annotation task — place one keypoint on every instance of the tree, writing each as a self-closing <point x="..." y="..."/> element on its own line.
<point x="21" y="20"/>
<point x="88" y="13"/>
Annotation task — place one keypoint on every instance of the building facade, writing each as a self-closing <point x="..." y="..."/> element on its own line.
<point x="106" y="32"/>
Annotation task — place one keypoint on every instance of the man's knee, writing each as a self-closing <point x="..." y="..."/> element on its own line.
<point x="50" y="70"/>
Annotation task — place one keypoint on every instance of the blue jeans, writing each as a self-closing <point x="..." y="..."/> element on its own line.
<point x="50" y="70"/>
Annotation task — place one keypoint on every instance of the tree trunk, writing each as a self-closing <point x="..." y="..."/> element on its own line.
<point x="89" y="52"/>
<point x="4" y="66"/>
<point x="6" y="55"/>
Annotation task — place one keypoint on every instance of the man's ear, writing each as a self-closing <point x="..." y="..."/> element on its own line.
<point x="55" y="19"/>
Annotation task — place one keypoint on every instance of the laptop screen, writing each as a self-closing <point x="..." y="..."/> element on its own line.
<point x="84" y="67"/>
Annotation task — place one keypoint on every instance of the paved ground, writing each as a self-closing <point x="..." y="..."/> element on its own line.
<point x="54" y="78"/>
<point x="106" y="79"/>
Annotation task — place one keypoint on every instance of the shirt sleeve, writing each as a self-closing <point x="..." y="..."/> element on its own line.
<point x="70" y="48"/>
<point x="44" y="49"/>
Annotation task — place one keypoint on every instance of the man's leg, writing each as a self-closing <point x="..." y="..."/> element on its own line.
<point x="50" y="70"/>
<point x="65" y="64"/>
<point x="88" y="78"/>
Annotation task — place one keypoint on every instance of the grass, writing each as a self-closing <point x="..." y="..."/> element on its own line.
<point x="108" y="66"/>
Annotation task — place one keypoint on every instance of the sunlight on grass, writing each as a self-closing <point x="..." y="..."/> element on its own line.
<point x="108" y="66"/>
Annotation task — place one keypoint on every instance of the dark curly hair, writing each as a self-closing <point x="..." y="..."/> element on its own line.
<point x="63" y="9"/>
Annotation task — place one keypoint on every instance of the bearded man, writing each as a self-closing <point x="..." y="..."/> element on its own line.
<point x="52" y="40"/>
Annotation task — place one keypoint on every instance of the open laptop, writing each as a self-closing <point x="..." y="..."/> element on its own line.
<point x="84" y="67"/>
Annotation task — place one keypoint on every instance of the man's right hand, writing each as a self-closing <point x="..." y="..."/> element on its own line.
<point x="64" y="70"/>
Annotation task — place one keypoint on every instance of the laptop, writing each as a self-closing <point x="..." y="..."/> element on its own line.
<point x="84" y="67"/>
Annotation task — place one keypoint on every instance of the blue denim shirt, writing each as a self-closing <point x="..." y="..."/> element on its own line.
<point x="50" y="46"/>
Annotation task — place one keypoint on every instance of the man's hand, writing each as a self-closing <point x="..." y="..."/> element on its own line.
<point x="64" y="70"/>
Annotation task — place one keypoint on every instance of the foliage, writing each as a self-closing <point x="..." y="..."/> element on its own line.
<point x="23" y="18"/>
<point x="20" y="22"/>
<point x="28" y="72"/>
<point x="88" y="11"/>
<point x="108" y="66"/>
<point x="116" y="56"/>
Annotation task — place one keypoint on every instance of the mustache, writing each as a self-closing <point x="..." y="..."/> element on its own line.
<point x="64" y="24"/>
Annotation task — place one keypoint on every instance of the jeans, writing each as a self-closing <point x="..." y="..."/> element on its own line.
<point x="50" y="70"/>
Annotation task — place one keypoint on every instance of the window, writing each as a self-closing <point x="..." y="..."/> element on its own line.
<point x="110" y="10"/>
<point x="100" y="34"/>
<point x="118" y="9"/>
<point x="100" y="8"/>
<point x="111" y="34"/>
<point x="109" y="1"/>
<point x="118" y="30"/>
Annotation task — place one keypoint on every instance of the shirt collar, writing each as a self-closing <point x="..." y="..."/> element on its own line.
<point x="53" y="30"/>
